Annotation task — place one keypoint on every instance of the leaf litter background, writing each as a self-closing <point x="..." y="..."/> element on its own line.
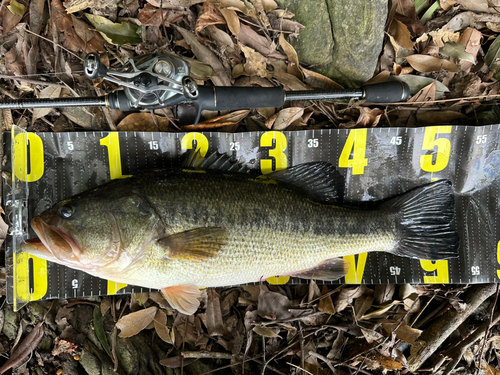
<point x="447" y="51"/>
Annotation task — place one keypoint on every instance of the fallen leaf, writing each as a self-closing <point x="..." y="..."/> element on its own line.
<point x="379" y="312"/>
<point x="10" y="16"/>
<point x="427" y="64"/>
<point x="24" y="349"/>
<point x="255" y="63"/>
<point x="325" y="303"/>
<point x="133" y="323"/>
<point x="371" y="336"/>
<point x="143" y="121"/>
<point x="447" y="4"/>
<point x="443" y="35"/>
<point x="177" y="361"/>
<point x="406" y="13"/>
<point x="266" y="331"/>
<point x="210" y="16"/>
<point x="492" y="57"/>
<point x="456" y="51"/>
<point x="231" y="118"/>
<point x="471" y="39"/>
<point x="368" y="118"/>
<point x="416" y="83"/>
<point x="291" y="26"/>
<point x="362" y="305"/>
<point x="401" y="34"/>
<point x="16" y="8"/>
<point x="403" y="332"/>
<point x="383" y="293"/>
<point x="261" y="12"/>
<point x="439" y="117"/>
<point x="293" y="64"/>
<point x="232" y="20"/>
<point x="250" y="38"/>
<point x="478" y="6"/>
<point x="244" y="7"/>
<point x="272" y="305"/>
<point x="286" y="116"/>
<point x="50" y="92"/>
<point x="346" y="296"/>
<point x="290" y="81"/>
<point x="99" y="329"/>
<point x="124" y="33"/>
<point x="160" y="324"/>
<point x="202" y="53"/>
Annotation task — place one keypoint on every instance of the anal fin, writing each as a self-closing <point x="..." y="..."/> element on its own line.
<point x="329" y="270"/>
<point x="183" y="298"/>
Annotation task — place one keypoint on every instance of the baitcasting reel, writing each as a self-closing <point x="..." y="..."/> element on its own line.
<point x="164" y="81"/>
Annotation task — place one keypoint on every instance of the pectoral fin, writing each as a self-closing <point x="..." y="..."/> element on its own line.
<point x="197" y="244"/>
<point x="183" y="298"/>
<point x="329" y="270"/>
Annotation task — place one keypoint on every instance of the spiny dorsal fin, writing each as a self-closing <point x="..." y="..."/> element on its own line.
<point x="319" y="181"/>
<point x="213" y="161"/>
<point x="329" y="270"/>
<point x="197" y="244"/>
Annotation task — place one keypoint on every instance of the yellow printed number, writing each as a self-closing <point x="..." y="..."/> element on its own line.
<point x="33" y="163"/>
<point x="443" y="145"/>
<point x="498" y="258"/>
<point x="201" y="141"/>
<point x="356" y="270"/>
<point x="112" y="142"/>
<point x="276" y="154"/>
<point x="355" y="145"/>
<point x="23" y="290"/>
<point x="440" y="270"/>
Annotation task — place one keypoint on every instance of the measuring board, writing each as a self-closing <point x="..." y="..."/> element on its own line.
<point x="377" y="163"/>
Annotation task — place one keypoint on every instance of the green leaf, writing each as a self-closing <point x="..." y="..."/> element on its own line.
<point x="119" y="34"/>
<point x="430" y="12"/>
<point x="492" y="57"/>
<point x="455" y="50"/>
<point x="418" y="82"/>
<point x="16" y="8"/>
<point x="99" y="330"/>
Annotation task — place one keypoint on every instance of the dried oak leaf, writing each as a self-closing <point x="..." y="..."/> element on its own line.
<point x="143" y="122"/>
<point x="427" y="64"/>
<point x="401" y="34"/>
<point x="160" y="324"/>
<point x="210" y="16"/>
<point x="64" y="25"/>
<point x="255" y="64"/>
<point x="135" y="322"/>
<point x="232" y="20"/>
<point x="325" y="303"/>
<point x="12" y="13"/>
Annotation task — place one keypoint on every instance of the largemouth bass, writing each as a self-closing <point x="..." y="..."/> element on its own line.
<point x="179" y="230"/>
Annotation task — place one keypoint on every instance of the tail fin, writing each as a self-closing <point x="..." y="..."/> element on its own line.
<point x="423" y="222"/>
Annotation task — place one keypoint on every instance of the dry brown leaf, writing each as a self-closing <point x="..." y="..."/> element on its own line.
<point x="290" y="81"/>
<point x="64" y="24"/>
<point x="447" y="4"/>
<point x="10" y="20"/>
<point x="204" y="54"/>
<point x="426" y="94"/>
<point x="319" y="81"/>
<point x="346" y="296"/>
<point x="250" y="38"/>
<point x="261" y="12"/>
<point x="368" y="118"/>
<point x="443" y="35"/>
<point x="403" y="332"/>
<point x="371" y="336"/>
<point x="160" y="323"/>
<point x="286" y="117"/>
<point x="50" y="92"/>
<point x="135" y="322"/>
<point x="291" y="26"/>
<point x="362" y="305"/>
<point x="255" y="63"/>
<point x="231" y="118"/>
<point x="401" y="34"/>
<point x="269" y="5"/>
<point x="174" y="4"/>
<point x="427" y="64"/>
<point x="214" y="323"/>
<point x="177" y="361"/>
<point x="210" y="16"/>
<point x="406" y="13"/>
<point x="438" y="117"/>
<point x="325" y="303"/>
<point x="266" y="112"/>
<point x="272" y="305"/>
<point x="24" y="349"/>
<point x="266" y="331"/>
<point x="400" y="52"/>
<point x="144" y="122"/>
<point x="293" y="59"/>
<point x="471" y="39"/>
<point x="14" y="62"/>
<point x="232" y="20"/>
<point x="477" y="6"/>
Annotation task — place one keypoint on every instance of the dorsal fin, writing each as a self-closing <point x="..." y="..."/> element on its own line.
<point x="213" y="161"/>
<point x="319" y="181"/>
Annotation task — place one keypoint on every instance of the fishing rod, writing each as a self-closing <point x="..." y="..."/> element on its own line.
<point x="164" y="81"/>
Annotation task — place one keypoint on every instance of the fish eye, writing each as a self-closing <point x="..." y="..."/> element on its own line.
<point x="66" y="211"/>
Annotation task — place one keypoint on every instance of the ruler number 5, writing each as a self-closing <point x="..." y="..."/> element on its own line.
<point x="481" y="139"/>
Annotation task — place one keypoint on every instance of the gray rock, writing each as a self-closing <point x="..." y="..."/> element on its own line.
<point x="342" y="39"/>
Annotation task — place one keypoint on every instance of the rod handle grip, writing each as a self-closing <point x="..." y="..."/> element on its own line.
<point x="387" y="92"/>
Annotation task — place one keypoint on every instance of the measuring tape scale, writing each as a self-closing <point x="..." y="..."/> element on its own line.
<point x="377" y="163"/>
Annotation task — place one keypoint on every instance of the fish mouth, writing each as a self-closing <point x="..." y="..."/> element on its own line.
<point x="52" y="242"/>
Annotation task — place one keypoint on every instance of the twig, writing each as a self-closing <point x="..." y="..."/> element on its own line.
<point x="32" y="81"/>
<point x="324" y="359"/>
<point x="217" y="355"/>
<point x="487" y="332"/>
<point x="300" y="368"/>
<point x="51" y="41"/>
<point x="442" y="328"/>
